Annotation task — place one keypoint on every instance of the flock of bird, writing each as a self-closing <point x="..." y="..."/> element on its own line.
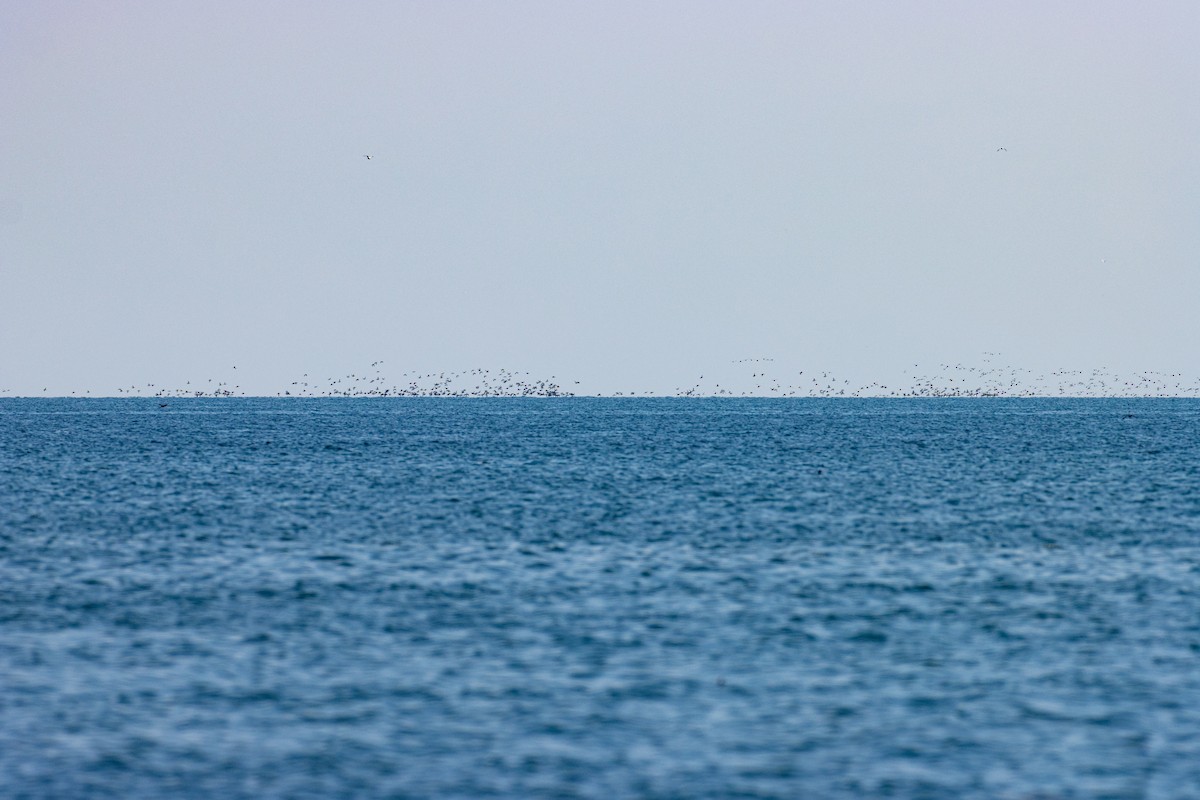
<point x="373" y="383"/>
<point x="959" y="380"/>
<point x="470" y="383"/>
<point x="752" y="377"/>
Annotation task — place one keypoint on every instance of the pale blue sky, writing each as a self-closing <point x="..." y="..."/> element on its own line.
<point x="625" y="194"/>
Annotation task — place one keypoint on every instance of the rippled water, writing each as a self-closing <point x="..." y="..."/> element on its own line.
<point x="600" y="598"/>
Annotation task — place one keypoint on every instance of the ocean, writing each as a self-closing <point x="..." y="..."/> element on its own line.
<point x="600" y="598"/>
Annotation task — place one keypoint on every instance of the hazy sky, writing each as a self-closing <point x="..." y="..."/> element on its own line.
<point x="622" y="193"/>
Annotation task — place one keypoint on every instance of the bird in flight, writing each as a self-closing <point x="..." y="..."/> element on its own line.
<point x="367" y="157"/>
<point x="998" y="149"/>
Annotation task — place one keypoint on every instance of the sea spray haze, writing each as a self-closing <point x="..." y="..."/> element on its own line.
<point x="443" y="597"/>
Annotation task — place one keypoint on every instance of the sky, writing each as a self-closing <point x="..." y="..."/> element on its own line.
<point x="627" y="194"/>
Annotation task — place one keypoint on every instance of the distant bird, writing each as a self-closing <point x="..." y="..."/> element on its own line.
<point x="367" y="157"/>
<point x="998" y="150"/>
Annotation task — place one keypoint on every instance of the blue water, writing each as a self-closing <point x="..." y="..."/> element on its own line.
<point x="600" y="598"/>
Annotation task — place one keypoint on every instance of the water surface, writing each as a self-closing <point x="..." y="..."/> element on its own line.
<point x="600" y="598"/>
